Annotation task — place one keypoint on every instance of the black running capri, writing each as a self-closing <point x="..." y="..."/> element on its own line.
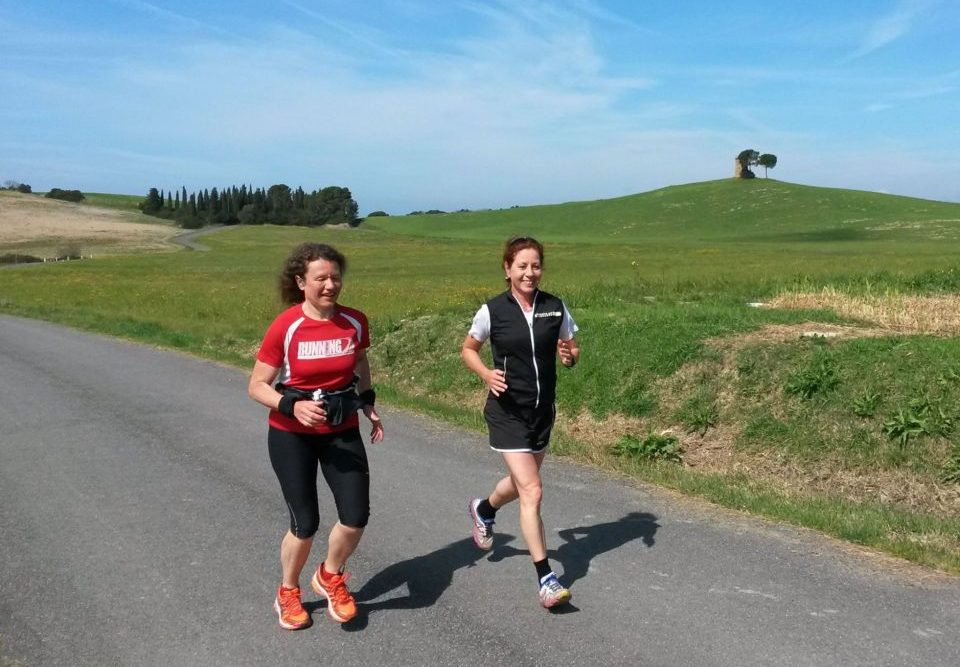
<point x="342" y="459"/>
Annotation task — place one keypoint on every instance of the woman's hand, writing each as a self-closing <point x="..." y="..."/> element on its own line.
<point x="492" y="377"/>
<point x="376" y="431"/>
<point x="495" y="381"/>
<point x="569" y="352"/>
<point x="310" y="413"/>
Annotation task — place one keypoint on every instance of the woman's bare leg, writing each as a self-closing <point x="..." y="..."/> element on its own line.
<point x="524" y="484"/>
<point x="293" y="556"/>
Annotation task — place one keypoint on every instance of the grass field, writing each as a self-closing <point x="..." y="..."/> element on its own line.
<point x="850" y="432"/>
<point x="119" y="202"/>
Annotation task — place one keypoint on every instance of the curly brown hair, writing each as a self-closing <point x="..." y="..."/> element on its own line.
<point x="296" y="267"/>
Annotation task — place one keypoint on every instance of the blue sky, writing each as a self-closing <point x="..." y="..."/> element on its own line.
<point x="420" y="104"/>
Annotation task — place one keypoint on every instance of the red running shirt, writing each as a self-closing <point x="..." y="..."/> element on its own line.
<point x="314" y="354"/>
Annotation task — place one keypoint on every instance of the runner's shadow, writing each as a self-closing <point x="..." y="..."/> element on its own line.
<point x="424" y="578"/>
<point x="582" y="544"/>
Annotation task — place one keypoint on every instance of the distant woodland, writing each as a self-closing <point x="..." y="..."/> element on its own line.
<point x="277" y="205"/>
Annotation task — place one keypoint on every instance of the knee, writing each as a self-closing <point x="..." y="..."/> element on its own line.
<point x="304" y="525"/>
<point x="530" y="494"/>
<point x="305" y="532"/>
<point x="354" y="521"/>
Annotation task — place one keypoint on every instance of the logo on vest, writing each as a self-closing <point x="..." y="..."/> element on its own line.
<point x="553" y="313"/>
<point x="324" y="349"/>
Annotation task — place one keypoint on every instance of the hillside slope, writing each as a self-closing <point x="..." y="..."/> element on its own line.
<point x="760" y="210"/>
<point x="31" y="224"/>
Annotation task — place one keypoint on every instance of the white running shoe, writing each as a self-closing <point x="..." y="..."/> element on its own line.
<point x="552" y="591"/>
<point x="482" y="528"/>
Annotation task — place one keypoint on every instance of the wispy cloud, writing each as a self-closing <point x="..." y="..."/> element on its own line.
<point x="916" y="91"/>
<point x="891" y="27"/>
<point x="595" y="10"/>
<point x="358" y="34"/>
<point x="162" y="13"/>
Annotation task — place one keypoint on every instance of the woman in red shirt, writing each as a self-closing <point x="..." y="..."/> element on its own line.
<point x="316" y="353"/>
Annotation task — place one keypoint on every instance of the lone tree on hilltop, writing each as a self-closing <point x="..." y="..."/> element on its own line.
<point x="746" y="159"/>
<point x="767" y="161"/>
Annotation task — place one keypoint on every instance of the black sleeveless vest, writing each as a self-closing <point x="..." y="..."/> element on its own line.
<point x="527" y="356"/>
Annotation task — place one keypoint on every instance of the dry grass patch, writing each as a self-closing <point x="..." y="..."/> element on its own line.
<point x="785" y="333"/>
<point x="599" y="434"/>
<point x="715" y="453"/>
<point x="901" y="313"/>
<point x="35" y="225"/>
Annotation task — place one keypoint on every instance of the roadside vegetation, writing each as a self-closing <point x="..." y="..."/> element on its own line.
<point x="785" y="350"/>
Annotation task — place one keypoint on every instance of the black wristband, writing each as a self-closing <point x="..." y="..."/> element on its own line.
<point x="286" y="404"/>
<point x="368" y="396"/>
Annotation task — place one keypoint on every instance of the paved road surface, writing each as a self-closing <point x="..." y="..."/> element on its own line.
<point x="140" y="521"/>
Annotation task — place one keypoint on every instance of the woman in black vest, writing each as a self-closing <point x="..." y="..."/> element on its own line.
<point x="528" y="329"/>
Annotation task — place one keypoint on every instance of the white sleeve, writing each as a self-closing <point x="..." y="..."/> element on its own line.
<point x="568" y="327"/>
<point x="480" y="329"/>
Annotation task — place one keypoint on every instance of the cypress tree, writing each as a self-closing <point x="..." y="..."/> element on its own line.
<point x="153" y="202"/>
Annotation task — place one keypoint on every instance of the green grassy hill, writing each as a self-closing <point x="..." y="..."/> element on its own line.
<point x="729" y="210"/>
<point x="120" y="202"/>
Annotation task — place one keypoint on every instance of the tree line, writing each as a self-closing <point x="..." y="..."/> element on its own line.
<point x="244" y="205"/>
<point x="53" y="193"/>
<point x="65" y="195"/>
<point x="16" y="186"/>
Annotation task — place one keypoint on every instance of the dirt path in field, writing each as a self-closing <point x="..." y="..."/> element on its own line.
<point x="188" y="239"/>
<point x="34" y="225"/>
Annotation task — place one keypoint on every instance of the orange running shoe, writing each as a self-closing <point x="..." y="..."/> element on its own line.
<point x="290" y="610"/>
<point x="340" y="603"/>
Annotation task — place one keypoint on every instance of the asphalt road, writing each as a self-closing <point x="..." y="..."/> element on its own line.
<point x="140" y="522"/>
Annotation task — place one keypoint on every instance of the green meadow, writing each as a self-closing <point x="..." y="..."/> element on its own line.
<point x="119" y="202"/>
<point x="681" y="383"/>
